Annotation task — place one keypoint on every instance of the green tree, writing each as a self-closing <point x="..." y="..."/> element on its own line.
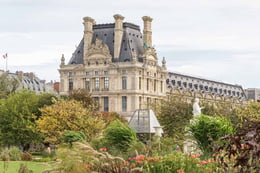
<point x="206" y="130"/>
<point x="8" y="85"/>
<point x="174" y="115"/>
<point x="68" y="115"/>
<point x="17" y="126"/>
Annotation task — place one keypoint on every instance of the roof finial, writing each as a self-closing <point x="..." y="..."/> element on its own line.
<point x="62" y="62"/>
<point x="164" y="63"/>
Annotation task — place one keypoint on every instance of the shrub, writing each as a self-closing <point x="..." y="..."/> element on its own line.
<point x="206" y="130"/>
<point x="119" y="135"/>
<point x="5" y="155"/>
<point x="26" y="157"/>
<point x="241" y="150"/>
<point x="15" y="154"/>
<point x="73" y="136"/>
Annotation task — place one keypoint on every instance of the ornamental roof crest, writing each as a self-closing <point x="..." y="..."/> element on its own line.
<point x="99" y="48"/>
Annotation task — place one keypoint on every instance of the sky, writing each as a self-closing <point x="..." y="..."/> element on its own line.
<point x="213" y="39"/>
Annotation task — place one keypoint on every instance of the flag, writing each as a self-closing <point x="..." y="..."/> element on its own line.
<point x="5" y="56"/>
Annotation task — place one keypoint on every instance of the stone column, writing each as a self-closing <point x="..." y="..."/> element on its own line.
<point x="147" y="32"/>
<point x="118" y="34"/>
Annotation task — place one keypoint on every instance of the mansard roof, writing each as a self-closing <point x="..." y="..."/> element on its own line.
<point x="132" y="41"/>
<point x="180" y="81"/>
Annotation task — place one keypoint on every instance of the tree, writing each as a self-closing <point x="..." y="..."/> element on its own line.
<point x="84" y="97"/>
<point x="8" y="85"/>
<point x="174" y="115"/>
<point x="17" y="125"/>
<point x="68" y="115"/>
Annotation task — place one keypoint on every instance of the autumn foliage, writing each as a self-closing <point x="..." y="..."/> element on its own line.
<point x="68" y="115"/>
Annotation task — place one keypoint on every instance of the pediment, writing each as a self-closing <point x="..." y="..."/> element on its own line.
<point x="98" y="48"/>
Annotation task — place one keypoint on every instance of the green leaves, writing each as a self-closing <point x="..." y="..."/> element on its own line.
<point x="119" y="135"/>
<point x="17" y="120"/>
<point x="206" y="130"/>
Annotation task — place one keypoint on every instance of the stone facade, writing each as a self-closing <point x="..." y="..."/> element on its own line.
<point x="211" y="91"/>
<point x="117" y="64"/>
<point x="253" y="94"/>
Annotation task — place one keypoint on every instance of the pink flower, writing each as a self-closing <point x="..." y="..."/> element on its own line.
<point x="181" y="171"/>
<point x="195" y="156"/>
<point x="204" y="162"/>
<point x="102" y="149"/>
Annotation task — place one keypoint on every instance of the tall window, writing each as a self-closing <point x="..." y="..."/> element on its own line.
<point x="124" y="83"/>
<point x="161" y="86"/>
<point x="140" y="83"/>
<point x="106" y="83"/>
<point x="87" y="84"/>
<point x="106" y="104"/>
<point x="124" y="103"/>
<point x="154" y="86"/>
<point x="70" y="84"/>
<point x="147" y="84"/>
<point x="140" y="102"/>
<point x="97" y="83"/>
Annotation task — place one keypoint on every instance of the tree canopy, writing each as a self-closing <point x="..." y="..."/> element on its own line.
<point x="68" y="115"/>
<point x="17" y="118"/>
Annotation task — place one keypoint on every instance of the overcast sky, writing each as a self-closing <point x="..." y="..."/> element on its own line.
<point x="214" y="39"/>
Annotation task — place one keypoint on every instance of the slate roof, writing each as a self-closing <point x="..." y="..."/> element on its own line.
<point x="132" y="41"/>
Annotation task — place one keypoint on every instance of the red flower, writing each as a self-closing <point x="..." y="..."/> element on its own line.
<point x="195" y="156"/>
<point x="204" y="162"/>
<point x="102" y="149"/>
<point x="125" y="162"/>
<point x="181" y="171"/>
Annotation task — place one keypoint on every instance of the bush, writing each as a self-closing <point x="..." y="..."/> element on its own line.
<point x="5" y="155"/>
<point x="206" y="130"/>
<point x="15" y="154"/>
<point x="73" y="136"/>
<point x="26" y="157"/>
<point x="119" y="135"/>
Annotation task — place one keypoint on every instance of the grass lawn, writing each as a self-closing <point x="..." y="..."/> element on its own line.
<point x="13" y="166"/>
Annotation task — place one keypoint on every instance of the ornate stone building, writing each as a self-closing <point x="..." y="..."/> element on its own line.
<point x="207" y="90"/>
<point x="117" y="64"/>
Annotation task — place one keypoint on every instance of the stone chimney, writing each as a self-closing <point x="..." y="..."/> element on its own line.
<point x="147" y="32"/>
<point x="88" y="32"/>
<point x="118" y="34"/>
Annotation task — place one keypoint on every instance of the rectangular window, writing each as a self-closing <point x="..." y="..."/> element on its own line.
<point x="140" y="83"/>
<point x="87" y="84"/>
<point x="106" y="72"/>
<point x="161" y="86"/>
<point x="96" y="72"/>
<point x="147" y="84"/>
<point x="124" y="83"/>
<point x="124" y="103"/>
<point x="97" y="83"/>
<point x="140" y="102"/>
<point x="106" y="83"/>
<point x="106" y="104"/>
<point x="154" y="86"/>
<point x="71" y="74"/>
<point x="87" y="73"/>
<point x="96" y="101"/>
<point x="123" y="71"/>
<point x="70" y="84"/>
